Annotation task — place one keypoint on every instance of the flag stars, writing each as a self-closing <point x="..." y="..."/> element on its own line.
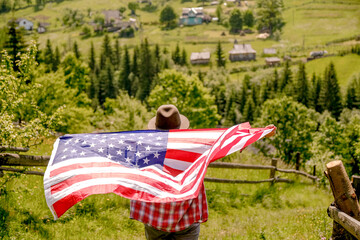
<point x="119" y="152"/>
<point x="146" y="161"/>
<point x="109" y="156"/>
<point x="157" y="144"/>
<point x="92" y="145"/>
<point x="150" y="134"/>
<point x="128" y="159"/>
<point x="102" y="140"/>
<point x="138" y="154"/>
<point x="77" y="140"/>
<point x="148" y="148"/>
<point x="111" y="145"/>
<point x="122" y="136"/>
<point x="65" y="150"/>
<point x="100" y="150"/>
<point x="74" y="151"/>
<point x="156" y="155"/>
<point x="129" y="148"/>
<point x="139" y="143"/>
<point x="158" y="138"/>
<point x="63" y="157"/>
<point x="141" y="137"/>
<point x="121" y="142"/>
<point x="82" y="153"/>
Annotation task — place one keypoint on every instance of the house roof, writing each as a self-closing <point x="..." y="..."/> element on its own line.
<point x="22" y="19"/>
<point x="272" y="59"/>
<point x="242" y="48"/>
<point x="200" y="56"/>
<point x="269" y="51"/>
<point x="111" y="14"/>
<point x="196" y="10"/>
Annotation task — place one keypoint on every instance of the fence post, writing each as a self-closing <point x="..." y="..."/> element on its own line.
<point x="314" y="173"/>
<point x="272" y="171"/>
<point x="344" y="195"/>
<point x="356" y="184"/>
<point x="297" y="163"/>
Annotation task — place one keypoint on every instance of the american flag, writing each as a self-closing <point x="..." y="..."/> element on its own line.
<point x="146" y="165"/>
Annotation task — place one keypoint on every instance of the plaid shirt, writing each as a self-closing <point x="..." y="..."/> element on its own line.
<point x="171" y="217"/>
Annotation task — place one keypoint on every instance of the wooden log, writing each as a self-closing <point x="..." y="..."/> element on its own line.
<point x="11" y="159"/>
<point x="220" y="180"/>
<point x="297" y="172"/>
<point x="238" y="166"/>
<point x="349" y="223"/>
<point x="21" y="171"/>
<point x="13" y="149"/>
<point x="355" y="180"/>
<point x="273" y="171"/>
<point x="344" y="195"/>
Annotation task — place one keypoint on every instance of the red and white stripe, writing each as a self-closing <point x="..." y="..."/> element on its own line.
<point x="188" y="155"/>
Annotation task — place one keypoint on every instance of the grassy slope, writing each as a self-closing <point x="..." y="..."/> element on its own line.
<point x="286" y="211"/>
<point x="346" y="67"/>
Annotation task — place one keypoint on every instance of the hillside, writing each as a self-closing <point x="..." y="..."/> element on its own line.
<point x="310" y="26"/>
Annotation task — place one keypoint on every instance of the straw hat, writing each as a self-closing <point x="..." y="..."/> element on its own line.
<point x="168" y="117"/>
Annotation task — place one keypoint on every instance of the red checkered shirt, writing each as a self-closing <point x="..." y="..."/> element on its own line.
<point x="171" y="217"/>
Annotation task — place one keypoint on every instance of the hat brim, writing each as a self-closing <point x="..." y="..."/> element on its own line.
<point x="184" y="123"/>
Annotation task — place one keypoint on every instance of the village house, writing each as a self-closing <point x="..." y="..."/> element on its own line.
<point x="242" y="52"/>
<point x="42" y="27"/>
<point x="316" y="54"/>
<point x="22" y="22"/>
<point x="269" y="51"/>
<point x="200" y="58"/>
<point x="272" y="61"/>
<point x="192" y="16"/>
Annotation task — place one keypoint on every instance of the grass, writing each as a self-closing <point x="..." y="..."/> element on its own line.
<point x="346" y="67"/>
<point x="236" y="211"/>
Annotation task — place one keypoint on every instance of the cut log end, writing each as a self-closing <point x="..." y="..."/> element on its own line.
<point x="333" y="164"/>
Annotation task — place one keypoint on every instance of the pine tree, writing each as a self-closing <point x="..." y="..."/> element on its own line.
<point x="111" y="89"/>
<point x="106" y="52"/>
<point x="56" y="60"/>
<point x="245" y="89"/>
<point x="124" y="81"/>
<point x="147" y="71"/>
<point x="353" y="94"/>
<point x="135" y="71"/>
<point x="220" y="59"/>
<point x="249" y="110"/>
<point x="286" y="80"/>
<point x="176" y="56"/>
<point x="302" y="88"/>
<point x="92" y="60"/>
<point x="76" y="50"/>
<point x="315" y="93"/>
<point x="330" y="94"/>
<point x="117" y="55"/>
<point x="157" y="59"/>
<point x="48" y="56"/>
<point x="275" y="79"/>
<point x="183" y="58"/>
<point x="15" y="43"/>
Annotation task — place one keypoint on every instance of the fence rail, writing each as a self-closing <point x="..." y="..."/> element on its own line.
<point x="349" y="223"/>
<point x="13" y="159"/>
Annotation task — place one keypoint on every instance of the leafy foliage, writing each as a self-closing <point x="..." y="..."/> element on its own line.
<point x="295" y="125"/>
<point x="192" y="99"/>
<point x="21" y="121"/>
<point x="167" y="16"/>
<point x="235" y="21"/>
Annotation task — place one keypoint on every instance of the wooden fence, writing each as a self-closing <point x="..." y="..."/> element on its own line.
<point x="14" y="159"/>
<point x="345" y="210"/>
